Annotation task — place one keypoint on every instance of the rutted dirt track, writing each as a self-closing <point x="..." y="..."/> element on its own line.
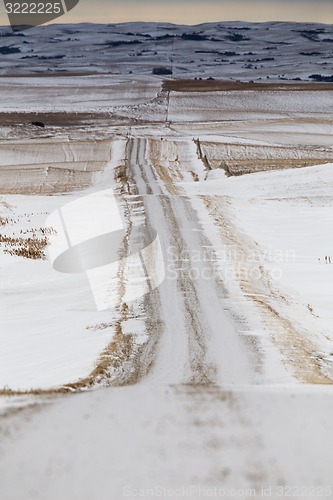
<point x="192" y="337"/>
<point x="204" y="343"/>
<point x="189" y="414"/>
<point x="191" y="309"/>
<point x="193" y="403"/>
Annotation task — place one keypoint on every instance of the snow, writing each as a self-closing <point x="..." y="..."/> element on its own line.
<point x="119" y="440"/>
<point x="280" y="210"/>
<point x="277" y="210"/>
<point x="90" y="93"/>
<point x="287" y="216"/>
<point x="56" y="346"/>
<point x="292" y="216"/>
<point x="226" y="50"/>
<point x="217" y="389"/>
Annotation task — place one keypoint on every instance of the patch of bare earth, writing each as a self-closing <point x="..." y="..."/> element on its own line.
<point x="228" y="86"/>
<point x="49" y="119"/>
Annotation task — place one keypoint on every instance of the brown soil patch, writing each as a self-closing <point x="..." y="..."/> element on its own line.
<point x="60" y="119"/>
<point x="225" y="86"/>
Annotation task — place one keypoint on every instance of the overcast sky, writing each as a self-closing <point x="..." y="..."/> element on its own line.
<point x="198" y="11"/>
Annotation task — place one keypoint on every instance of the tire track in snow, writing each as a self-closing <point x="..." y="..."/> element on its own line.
<point x="198" y="343"/>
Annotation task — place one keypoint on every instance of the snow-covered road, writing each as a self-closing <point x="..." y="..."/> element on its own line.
<point x="109" y="443"/>
<point x="219" y="378"/>
<point x="198" y="343"/>
<point x="200" y="418"/>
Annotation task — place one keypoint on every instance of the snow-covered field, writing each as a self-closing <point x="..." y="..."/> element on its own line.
<point x="222" y="376"/>
<point x="269" y="253"/>
<point x="225" y="50"/>
<point x="280" y="252"/>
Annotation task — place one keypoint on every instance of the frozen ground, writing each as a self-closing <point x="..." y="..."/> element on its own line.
<point x="220" y="377"/>
<point x="278" y="265"/>
<point x="114" y="442"/>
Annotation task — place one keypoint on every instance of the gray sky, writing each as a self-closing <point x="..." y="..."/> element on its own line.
<point x="197" y="11"/>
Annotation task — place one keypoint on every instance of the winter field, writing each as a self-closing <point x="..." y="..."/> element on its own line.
<point x="221" y="377"/>
<point x="227" y="50"/>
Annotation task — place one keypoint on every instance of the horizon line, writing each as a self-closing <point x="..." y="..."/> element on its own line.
<point x="172" y="24"/>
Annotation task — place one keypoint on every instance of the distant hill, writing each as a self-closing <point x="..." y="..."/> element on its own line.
<point x="225" y="50"/>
